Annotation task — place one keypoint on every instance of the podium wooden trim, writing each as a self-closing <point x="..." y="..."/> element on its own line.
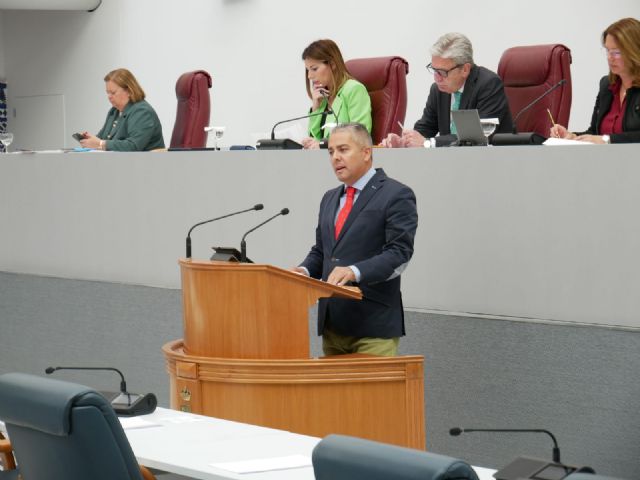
<point x="245" y="357"/>
<point x="245" y="310"/>
<point x="379" y="398"/>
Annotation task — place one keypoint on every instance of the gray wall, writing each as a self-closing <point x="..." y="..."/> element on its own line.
<point x="578" y="381"/>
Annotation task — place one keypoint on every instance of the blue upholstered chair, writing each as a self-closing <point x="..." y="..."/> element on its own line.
<point x="588" y="476"/>
<point x="338" y="457"/>
<point x="64" y="430"/>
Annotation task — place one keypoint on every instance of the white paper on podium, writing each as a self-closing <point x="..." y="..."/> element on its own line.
<point x="265" y="464"/>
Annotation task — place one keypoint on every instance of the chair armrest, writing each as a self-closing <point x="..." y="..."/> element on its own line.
<point x="6" y="453"/>
<point x="146" y="474"/>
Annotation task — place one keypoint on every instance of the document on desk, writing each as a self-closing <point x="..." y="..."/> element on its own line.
<point x="129" y="423"/>
<point x="552" y="141"/>
<point x="265" y="464"/>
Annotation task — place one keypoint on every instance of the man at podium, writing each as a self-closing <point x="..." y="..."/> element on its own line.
<point x="365" y="233"/>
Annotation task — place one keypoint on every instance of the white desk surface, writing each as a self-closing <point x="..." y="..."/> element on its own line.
<point x="186" y="444"/>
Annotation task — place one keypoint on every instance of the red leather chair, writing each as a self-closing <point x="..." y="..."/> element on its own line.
<point x="386" y="82"/>
<point x="529" y="71"/>
<point x="194" y="107"/>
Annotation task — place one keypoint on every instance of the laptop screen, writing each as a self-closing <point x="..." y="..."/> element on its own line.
<point x="468" y="126"/>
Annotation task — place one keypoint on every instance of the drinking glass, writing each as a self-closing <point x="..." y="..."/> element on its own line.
<point x="6" y="139"/>
<point x="218" y="134"/>
<point x="489" y="126"/>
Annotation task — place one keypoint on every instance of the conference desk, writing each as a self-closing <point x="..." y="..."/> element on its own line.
<point x="187" y="444"/>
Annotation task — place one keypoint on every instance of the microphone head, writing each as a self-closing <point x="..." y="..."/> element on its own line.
<point x="454" y="432"/>
<point x="49" y="370"/>
<point x="258" y="206"/>
<point x="284" y="211"/>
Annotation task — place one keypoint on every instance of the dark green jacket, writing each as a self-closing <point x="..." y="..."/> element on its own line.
<point x="137" y="129"/>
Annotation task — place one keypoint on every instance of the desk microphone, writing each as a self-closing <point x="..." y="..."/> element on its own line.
<point x="124" y="403"/>
<point x="258" y="206"/>
<point x="556" y="450"/>
<point x="287" y="143"/>
<point x="515" y="119"/>
<point x="243" y="244"/>
<point x="530" y="468"/>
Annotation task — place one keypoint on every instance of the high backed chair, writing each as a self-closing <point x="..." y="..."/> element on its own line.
<point x="194" y="107"/>
<point x="386" y="82"/>
<point x="528" y="72"/>
<point x="339" y="457"/>
<point x="63" y="430"/>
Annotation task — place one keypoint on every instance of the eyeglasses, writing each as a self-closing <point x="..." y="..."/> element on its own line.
<point x="614" y="53"/>
<point x="440" y="72"/>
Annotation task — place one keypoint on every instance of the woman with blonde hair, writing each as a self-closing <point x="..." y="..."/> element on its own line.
<point x="132" y="124"/>
<point x="616" y="115"/>
<point x="336" y="97"/>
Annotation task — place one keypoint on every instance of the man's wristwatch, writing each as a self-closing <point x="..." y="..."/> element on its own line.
<point x="606" y="139"/>
<point x="430" y="143"/>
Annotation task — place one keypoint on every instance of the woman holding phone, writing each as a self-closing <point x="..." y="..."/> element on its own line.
<point x="131" y="124"/>
<point x="336" y="97"/>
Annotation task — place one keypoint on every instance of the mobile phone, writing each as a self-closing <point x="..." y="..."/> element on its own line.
<point x="78" y="136"/>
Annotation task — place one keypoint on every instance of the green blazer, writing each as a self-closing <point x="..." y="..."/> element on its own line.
<point x="352" y="104"/>
<point x="137" y="129"/>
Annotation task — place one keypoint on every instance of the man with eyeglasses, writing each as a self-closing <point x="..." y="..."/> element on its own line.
<point x="459" y="84"/>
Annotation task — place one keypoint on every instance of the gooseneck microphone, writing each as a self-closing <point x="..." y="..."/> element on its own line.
<point x="123" y="384"/>
<point x="124" y="403"/>
<point x="243" y="244"/>
<point x="258" y="206"/>
<point x="309" y="115"/>
<point x="556" y="450"/>
<point x="531" y="104"/>
<point x="287" y="143"/>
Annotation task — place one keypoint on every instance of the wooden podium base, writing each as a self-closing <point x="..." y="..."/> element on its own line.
<point x="379" y="398"/>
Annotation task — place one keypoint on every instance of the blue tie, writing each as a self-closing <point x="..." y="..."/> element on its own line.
<point x="455" y="106"/>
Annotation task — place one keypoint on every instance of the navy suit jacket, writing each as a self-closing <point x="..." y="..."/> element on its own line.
<point x="377" y="238"/>
<point x="483" y="90"/>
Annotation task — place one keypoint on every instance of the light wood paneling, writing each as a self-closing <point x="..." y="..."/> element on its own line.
<point x="241" y="310"/>
<point x="380" y="398"/>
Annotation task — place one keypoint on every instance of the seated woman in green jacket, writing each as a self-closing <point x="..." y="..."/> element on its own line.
<point x="132" y="124"/>
<point x="329" y="84"/>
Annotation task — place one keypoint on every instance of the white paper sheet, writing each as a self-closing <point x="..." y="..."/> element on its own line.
<point x="129" y="423"/>
<point x="265" y="464"/>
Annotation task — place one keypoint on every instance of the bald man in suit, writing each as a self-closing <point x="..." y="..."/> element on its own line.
<point x="365" y="233"/>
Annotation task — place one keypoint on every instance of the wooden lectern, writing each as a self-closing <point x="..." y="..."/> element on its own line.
<point x="245" y="357"/>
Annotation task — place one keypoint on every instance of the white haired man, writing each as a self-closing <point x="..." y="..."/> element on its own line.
<point x="459" y="84"/>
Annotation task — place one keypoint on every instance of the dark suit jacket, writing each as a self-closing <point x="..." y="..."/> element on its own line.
<point x="630" y="121"/>
<point x="483" y="90"/>
<point x="377" y="238"/>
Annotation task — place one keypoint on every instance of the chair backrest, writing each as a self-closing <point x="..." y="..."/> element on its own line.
<point x="194" y="107"/>
<point x="64" y="430"/>
<point x="529" y="71"/>
<point x="339" y="457"/>
<point x="386" y="82"/>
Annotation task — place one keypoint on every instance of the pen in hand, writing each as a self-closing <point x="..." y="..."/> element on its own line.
<point x="553" y="122"/>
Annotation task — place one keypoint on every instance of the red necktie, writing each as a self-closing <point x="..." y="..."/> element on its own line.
<point x="346" y="209"/>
